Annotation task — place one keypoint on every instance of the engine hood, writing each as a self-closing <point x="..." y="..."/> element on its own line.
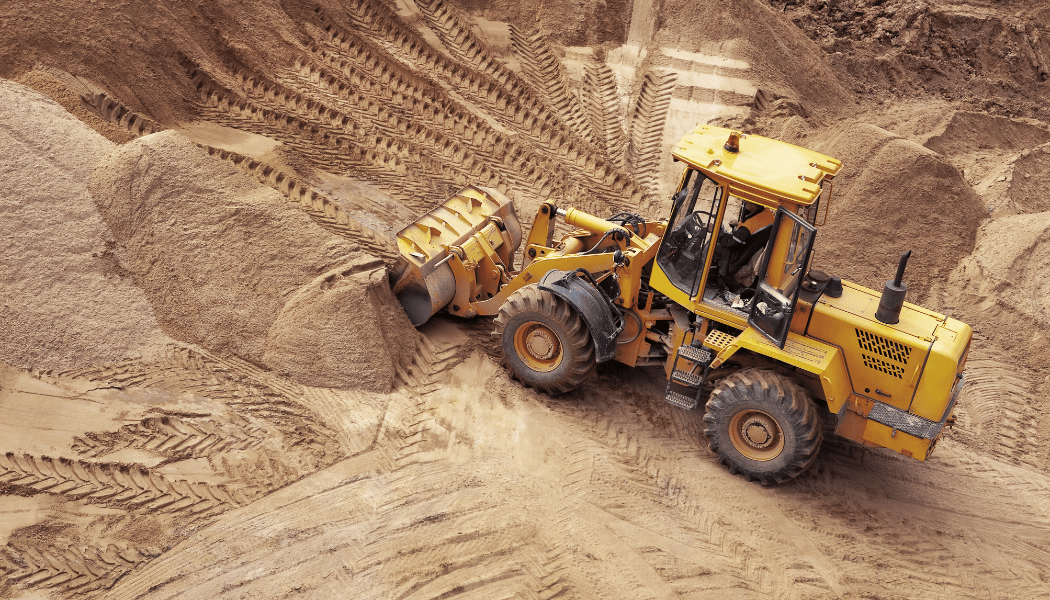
<point x="910" y="365"/>
<point x="861" y="303"/>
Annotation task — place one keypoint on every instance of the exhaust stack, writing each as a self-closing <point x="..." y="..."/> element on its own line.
<point x="893" y="294"/>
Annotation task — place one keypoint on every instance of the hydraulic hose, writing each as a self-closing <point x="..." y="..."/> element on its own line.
<point x="641" y="327"/>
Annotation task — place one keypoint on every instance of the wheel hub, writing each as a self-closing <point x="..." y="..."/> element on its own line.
<point x="758" y="430"/>
<point x="538" y="346"/>
<point x="541" y="344"/>
<point x="756" y="435"/>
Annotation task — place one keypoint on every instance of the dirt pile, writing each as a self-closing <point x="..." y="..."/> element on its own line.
<point x="66" y="300"/>
<point x="997" y="61"/>
<point x="222" y="260"/>
<point x="344" y="323"/>
<point x="985" y="148"/>
<point x="893" y="195"/>
<point x="1017" y="185"/>
<point x="1030" y="180"/>
<point x="965" y="131"/>
<point x="1003" y="282"/>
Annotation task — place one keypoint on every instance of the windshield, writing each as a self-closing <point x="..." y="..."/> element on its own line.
<point x="683" y="253"/>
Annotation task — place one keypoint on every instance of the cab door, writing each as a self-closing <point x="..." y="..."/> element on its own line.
<point x="684" y="257"/>
<point x="784" y="264"/>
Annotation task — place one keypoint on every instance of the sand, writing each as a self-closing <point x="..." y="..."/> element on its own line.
<point x="990" y="60"/>
<point x="229" y="264"/>
<point x="66" y="296"/>
<point x="343" y="329"/>
<point x="68" y="91"/>
<point x="207" y="389"/>
<point x="1003" y="281"/>
<point x="891" y="196"/>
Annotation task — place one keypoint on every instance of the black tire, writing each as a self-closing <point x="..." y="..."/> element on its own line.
<point x="763" y="426"/>
<point x="545" y="343"/>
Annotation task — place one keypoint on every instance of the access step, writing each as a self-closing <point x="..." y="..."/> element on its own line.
<point x="718" y="340"/>
<point x="681" y="400"/>
<point x="686" y="378"/>
<point x="697" y="355"/>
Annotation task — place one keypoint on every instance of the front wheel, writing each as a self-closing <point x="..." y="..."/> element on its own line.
<point x="545" y="343"/>
<point x="763" y="426"/>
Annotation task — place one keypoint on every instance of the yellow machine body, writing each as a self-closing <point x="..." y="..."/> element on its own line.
<point x="904" y="378"/>
<point x="892" y="386"/>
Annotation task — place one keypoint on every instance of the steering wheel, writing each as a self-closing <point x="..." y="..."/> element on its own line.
<point x="693" y="228"/>
<point x="694" y="225"/>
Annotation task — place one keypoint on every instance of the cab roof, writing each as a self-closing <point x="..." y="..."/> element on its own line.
<point x="764" y="170"/>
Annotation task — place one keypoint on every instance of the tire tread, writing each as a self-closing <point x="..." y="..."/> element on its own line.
<point x="579" y="347"/>
<point x="795" y="402"/>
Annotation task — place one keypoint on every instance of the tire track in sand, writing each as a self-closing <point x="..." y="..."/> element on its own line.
<point x="115" y="111"/>
<point x="172" y="436"/>
<point x="132" y="487"/>
<point x="320" y="207"/>
<point x="69" y="569"/>
<point x="548" y="77"/>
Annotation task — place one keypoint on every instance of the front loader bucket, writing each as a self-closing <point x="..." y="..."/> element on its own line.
<point x="422" y="279"/>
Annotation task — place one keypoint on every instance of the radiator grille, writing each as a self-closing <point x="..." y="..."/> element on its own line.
<point x="885" y="366"/>
<point x="883" y="347"/>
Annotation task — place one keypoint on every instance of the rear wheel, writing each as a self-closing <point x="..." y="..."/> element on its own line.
<point x="763" y="426"/>
<point x="545" y="343"/>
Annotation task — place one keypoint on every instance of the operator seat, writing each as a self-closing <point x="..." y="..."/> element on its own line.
<point x="736" y="252"/>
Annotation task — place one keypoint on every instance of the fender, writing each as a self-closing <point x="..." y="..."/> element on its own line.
<point x="603" y="321"/>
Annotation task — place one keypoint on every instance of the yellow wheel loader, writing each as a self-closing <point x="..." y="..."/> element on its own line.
<point x="720" y="295"/>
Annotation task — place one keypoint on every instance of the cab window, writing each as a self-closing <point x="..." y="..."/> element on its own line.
<point x="684" y="251"/>
<point x="784" y="264"/>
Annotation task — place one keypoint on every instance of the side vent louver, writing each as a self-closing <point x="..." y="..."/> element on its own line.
<point x="897" y="354"/>
<point x="884" y="366"/>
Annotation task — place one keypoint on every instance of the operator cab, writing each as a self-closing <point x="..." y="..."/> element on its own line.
<point x="696" y="217"/>
<point x="742" y="228"/>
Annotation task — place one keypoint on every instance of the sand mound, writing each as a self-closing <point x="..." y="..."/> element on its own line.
<point x="855" y="144"/>
<point x="219" y="256"/>
<point x="309" y="337"/>
<point x="1019" y="184"/>
<point x="968" y="131"/>
<point x="1004" y="283"/>
<point x="66" y="303"/>
<point x="1030" y="180"/>
<point x="893" y="195"/>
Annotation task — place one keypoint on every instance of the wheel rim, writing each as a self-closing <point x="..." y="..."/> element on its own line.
<point x="756" y="435"/>
<point x="538" y="346"/>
